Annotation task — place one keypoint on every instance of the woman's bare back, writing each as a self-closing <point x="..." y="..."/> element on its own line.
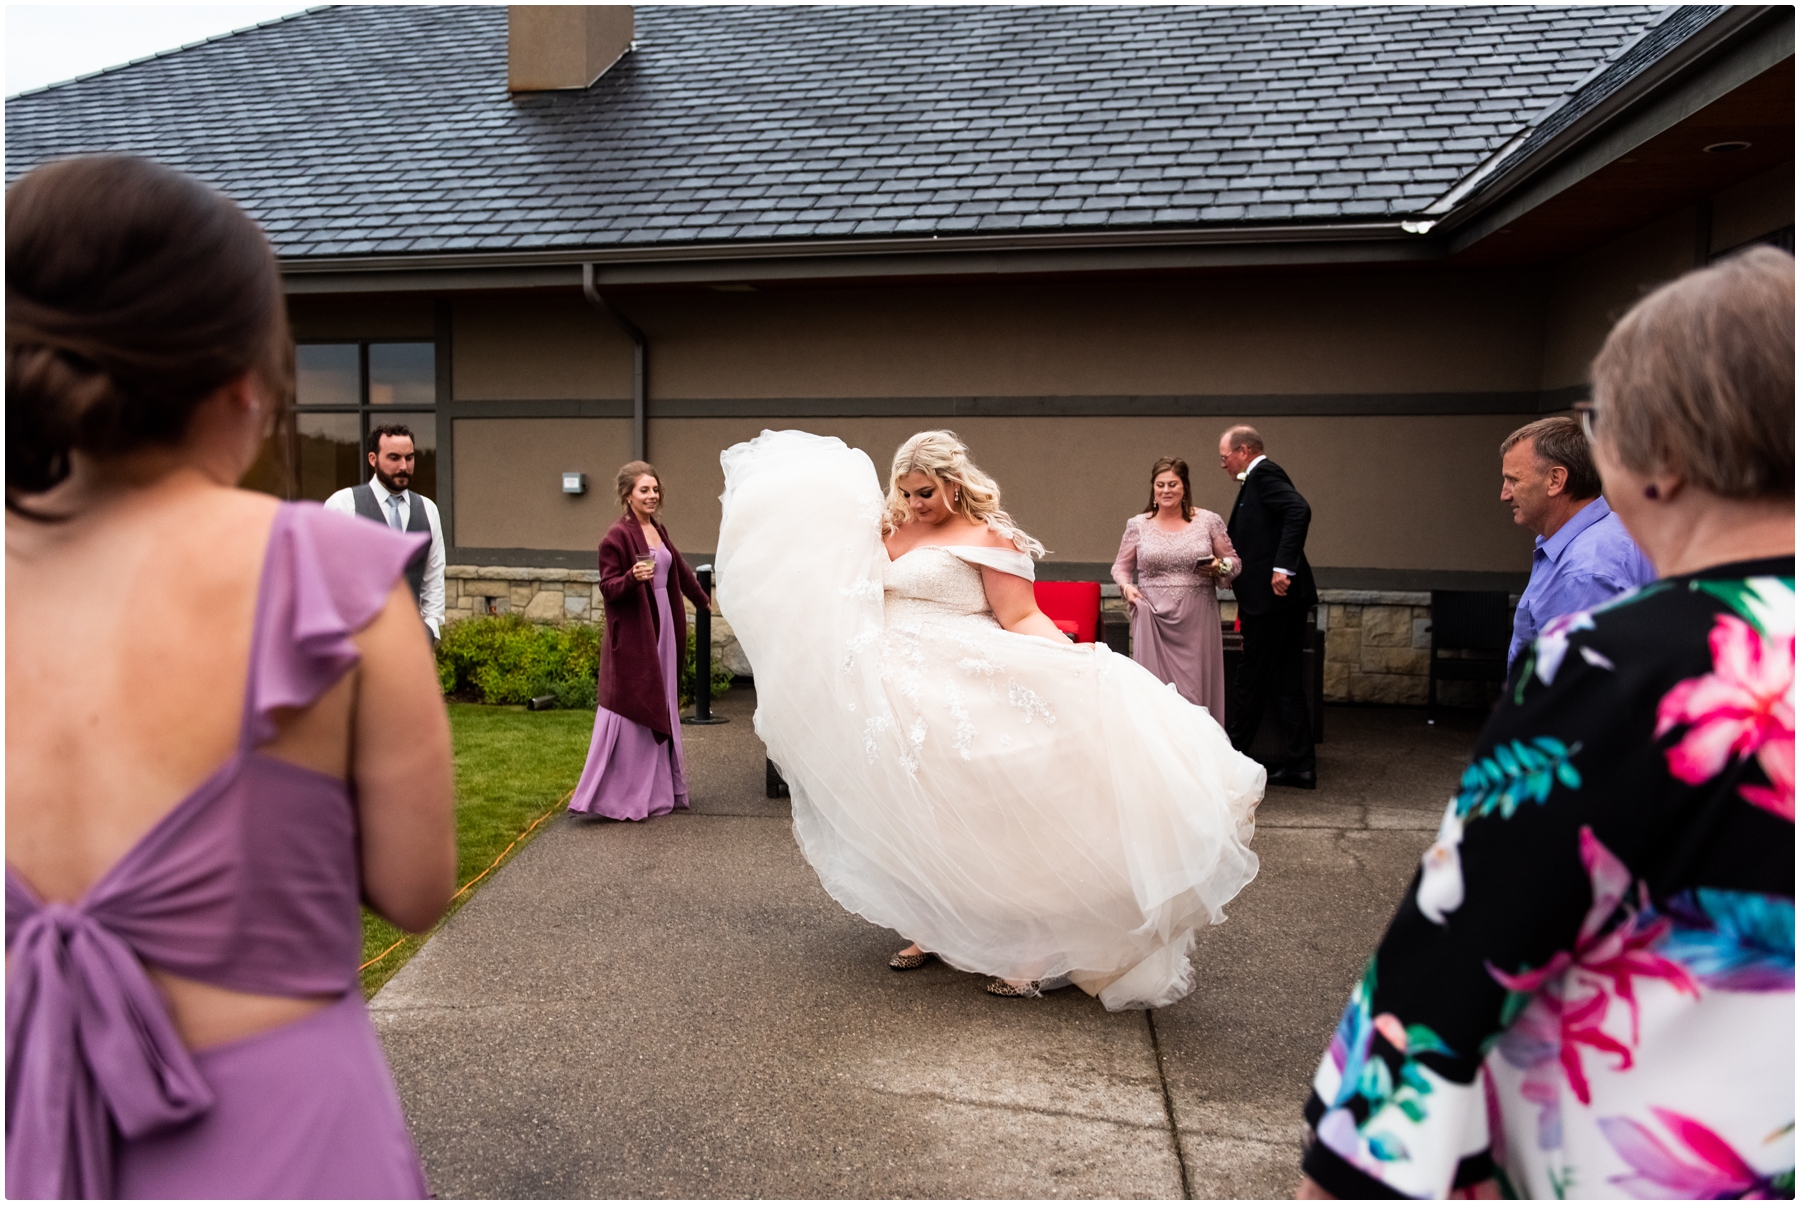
<point x="128" y="636"/>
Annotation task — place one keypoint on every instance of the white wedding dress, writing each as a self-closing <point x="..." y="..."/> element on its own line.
<point x="1022" y="807"/>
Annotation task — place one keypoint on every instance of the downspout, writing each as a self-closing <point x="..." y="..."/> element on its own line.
<point x="640" y="348"/>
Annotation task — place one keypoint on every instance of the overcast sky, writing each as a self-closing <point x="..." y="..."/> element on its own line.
<point x="48" y="43"/>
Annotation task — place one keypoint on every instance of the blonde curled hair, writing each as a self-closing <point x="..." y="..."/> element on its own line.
<point x="944" y="458"/>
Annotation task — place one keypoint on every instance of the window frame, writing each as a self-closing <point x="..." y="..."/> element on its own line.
<point x="362" y="407"/>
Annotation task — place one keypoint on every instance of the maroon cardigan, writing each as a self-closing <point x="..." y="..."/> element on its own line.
<point x="631" y="682"/>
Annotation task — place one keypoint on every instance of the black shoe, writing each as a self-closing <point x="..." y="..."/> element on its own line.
<point x="1303" y="780"/>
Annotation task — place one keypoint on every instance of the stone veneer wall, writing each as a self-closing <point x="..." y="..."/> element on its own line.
<point x="544" y="595"/>
<point x="1377" y="642"/>
<point x="1377" y="646"/>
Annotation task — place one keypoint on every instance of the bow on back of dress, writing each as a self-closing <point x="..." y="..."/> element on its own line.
<point x="90" y="1051"/>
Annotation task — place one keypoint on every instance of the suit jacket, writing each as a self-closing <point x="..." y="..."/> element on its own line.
<point x="1268" y="527"/>
<point x="631" y="681"/>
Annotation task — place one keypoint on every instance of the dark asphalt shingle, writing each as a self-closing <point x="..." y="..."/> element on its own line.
<point x="389" y="128"/>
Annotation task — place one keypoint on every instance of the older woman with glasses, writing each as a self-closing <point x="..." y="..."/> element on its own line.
<point x="1589" y="987"/>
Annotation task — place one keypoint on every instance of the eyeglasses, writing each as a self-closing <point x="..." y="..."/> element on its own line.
<point x="1586" y="410"/>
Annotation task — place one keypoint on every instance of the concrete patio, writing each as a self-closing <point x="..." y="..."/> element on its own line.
<point x="676" y="1009"/>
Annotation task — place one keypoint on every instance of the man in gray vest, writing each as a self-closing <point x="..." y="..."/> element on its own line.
<point x="385" y="498"/>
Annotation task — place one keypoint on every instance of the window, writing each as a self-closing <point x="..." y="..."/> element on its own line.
<point x="341" y="390"/>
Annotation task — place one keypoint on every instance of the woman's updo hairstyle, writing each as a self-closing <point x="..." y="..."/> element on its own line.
<point x="944" y="458"/>
<point x="133" y="292"/>
<point x="1698" y="379"/>
<point x="628" y="479"/>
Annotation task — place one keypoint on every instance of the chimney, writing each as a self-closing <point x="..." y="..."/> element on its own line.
<point x="554" y="46"/>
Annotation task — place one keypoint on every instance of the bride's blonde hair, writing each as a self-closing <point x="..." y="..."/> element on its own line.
<point x="974" y="495"/>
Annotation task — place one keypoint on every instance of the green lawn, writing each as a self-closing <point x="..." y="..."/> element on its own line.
<point x="512" y="766"/>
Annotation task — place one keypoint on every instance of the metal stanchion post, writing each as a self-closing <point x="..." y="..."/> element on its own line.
<point x="703" y="657"/>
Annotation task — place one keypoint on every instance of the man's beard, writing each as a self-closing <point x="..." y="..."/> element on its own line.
<point x="395" y="484"/>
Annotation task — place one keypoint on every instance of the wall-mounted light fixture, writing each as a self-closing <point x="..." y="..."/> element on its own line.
<point x="574" y="483"/>
<point x="1726" y="148"/>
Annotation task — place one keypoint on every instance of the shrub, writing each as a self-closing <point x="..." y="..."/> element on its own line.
<point x="507" y="659"/>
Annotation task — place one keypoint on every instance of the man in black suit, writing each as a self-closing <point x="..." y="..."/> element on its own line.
<point x="1274" y="588"/>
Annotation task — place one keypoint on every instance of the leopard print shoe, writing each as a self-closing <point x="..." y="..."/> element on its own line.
<point x="1030" y="990"/>
<point x="910" y="962"/>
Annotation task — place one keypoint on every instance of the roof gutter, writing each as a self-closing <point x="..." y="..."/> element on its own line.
<point x="759" y="258"/>
<point x="1488" y="185"/>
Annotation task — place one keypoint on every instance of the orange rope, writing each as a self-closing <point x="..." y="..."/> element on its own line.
<point x="463" y="890"/>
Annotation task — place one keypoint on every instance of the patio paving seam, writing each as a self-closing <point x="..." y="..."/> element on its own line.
<point x="1162" y="1082"/>
<point x="950" y="1098"/>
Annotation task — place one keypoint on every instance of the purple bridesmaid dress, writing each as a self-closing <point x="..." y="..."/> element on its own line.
<point x="250" y="883"/>
<point x="631" y="774"/>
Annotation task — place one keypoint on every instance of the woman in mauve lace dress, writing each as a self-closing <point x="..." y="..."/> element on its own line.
<point x="1179" y="556"/>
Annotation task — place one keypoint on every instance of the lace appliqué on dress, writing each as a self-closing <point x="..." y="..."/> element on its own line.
<point x="1029" y="702"/>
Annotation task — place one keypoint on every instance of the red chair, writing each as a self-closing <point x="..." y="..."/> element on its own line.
<point x="1074" y="607"/>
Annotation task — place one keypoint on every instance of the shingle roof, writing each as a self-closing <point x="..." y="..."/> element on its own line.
<point x="1669" y="29"/>
<point x="389" y="130"/>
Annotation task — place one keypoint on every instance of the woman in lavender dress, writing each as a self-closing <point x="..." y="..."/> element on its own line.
<point x="1178" y="555"/>
<point x="223" y="728"/>
<point x="634" y="766"/>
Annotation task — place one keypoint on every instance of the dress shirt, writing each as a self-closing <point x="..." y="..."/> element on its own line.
<point x="1245" y="476"/>
<point x="1589" y="560"/>
<point x="431" y="590"/>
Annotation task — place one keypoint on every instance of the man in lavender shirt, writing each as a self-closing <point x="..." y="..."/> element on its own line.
<point x="1583" y="555"/>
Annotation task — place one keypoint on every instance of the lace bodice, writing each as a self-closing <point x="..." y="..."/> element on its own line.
<point x="934" y="583"/>
<point x="1165" y="559"/>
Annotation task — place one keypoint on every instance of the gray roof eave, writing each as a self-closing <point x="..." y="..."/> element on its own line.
<point x="1469" y="210"/>
<point x="825" y="258"/>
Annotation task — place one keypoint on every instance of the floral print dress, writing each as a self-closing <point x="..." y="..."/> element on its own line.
<point x="1589" y="988"/>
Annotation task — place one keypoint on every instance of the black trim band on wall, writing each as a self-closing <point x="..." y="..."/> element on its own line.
<point x="529" y="558"/>
<point x="1222" y="405"/>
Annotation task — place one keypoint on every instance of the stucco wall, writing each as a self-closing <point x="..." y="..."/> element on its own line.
<point x="509" y="481"/>
<point x="538" y="346"/>
<point x="1426" y="481"/>
<point x="1372" y="332"/>
<point x="1592" y="291"/>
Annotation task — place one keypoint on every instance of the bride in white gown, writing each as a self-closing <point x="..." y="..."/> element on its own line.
<point x="1018" y="805"/>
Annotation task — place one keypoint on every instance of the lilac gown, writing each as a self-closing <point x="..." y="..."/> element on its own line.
<point x="1176" y="634"/>
<point x="630" y="773"/>
<point x="250" y="883"/>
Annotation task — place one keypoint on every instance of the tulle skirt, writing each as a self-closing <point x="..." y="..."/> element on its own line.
<point x="1020" y="806"/>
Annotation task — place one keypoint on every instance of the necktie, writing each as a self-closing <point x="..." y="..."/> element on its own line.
<point x="394" y="513"/>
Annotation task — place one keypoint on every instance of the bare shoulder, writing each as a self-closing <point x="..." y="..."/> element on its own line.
<point x="984" y="536"/>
